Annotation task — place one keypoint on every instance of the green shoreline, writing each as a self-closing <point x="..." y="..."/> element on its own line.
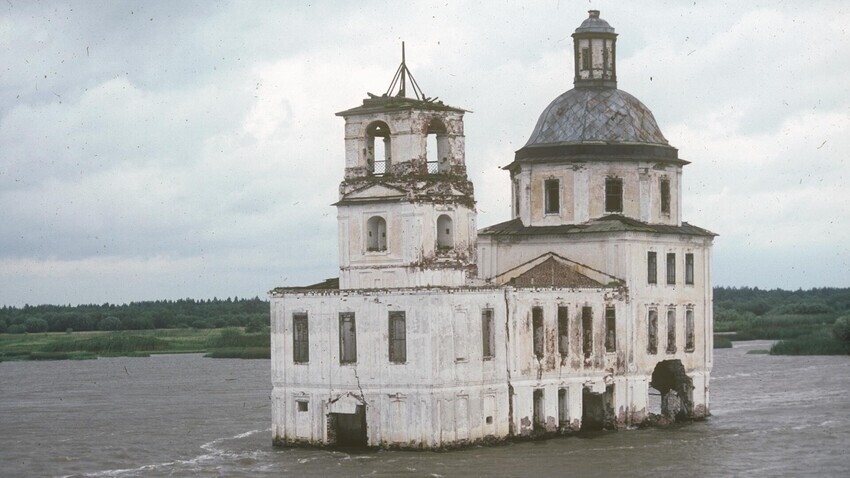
<point x="214" y="343"/>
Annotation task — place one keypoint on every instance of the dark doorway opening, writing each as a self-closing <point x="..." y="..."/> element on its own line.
<point x="348" y="429"/>
<point x="676" y="390"/>
<point x="539" y="412"/>
<point x="597" y="410"/>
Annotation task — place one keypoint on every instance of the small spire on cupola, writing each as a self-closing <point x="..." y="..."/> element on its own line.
<point x="595" y="45"/>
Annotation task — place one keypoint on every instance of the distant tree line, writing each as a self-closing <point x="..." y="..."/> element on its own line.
<point x="752" y="312"/>
<point x="805" y="322"/>
<point x="161" y="314"/>
<point x="734" y="303"/>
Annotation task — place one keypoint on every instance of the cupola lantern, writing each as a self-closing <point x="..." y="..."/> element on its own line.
<point x="595" y="45"/>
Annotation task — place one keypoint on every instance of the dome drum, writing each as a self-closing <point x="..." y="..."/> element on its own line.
<point x="598" y="152"/>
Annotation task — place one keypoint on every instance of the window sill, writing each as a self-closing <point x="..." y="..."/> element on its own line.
<point x="383" y="252"/>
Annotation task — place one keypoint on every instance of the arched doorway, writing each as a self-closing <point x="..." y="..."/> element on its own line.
<point x="346" y="422"/>
<point x="676" y="390"/>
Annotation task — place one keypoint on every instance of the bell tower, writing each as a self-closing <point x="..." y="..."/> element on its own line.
<point x="406" y="209"/>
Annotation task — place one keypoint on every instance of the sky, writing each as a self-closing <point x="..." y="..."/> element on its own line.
<point x="164" y="150"/>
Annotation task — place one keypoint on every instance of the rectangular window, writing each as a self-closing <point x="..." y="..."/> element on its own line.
<point x="516" y="198"/>
<point x="398" y="337"/>
<point x="671" y="268"/>
<point x="488" y="334"/>
<point x="605" y="55"/>
<point x="537" y="330"/>
<point x="563" y="330"/>
<point x="587" y="331"/>
<point x="689" y="269"/>
<point x="613" y="195"/>
<point x="610" y="329"/>
<point x="652" y="332"/>
<point x="300" y="338"/>
<point x="563" y="408"/>
<point x="539" y="410"/>
<point x="303" y="406"/>
<point x="665" y="196"/>
<point x="651" y="267"/>
<point x="553" y="196"/>
<point x="347" y="338"/>
<point x="585" y="58"/>
<point x="671" y="331"/>
<point x="689" y="330"/>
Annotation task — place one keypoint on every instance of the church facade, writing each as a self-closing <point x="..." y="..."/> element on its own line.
<point x="581" y="312"/>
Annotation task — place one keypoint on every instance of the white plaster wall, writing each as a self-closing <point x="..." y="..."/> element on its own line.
<point x="441" y="395"/>
<point x="583" y="191"/>
<point x="623" y="255"/>
<point x="411" y="258"/>
<point x="554" y="371"/>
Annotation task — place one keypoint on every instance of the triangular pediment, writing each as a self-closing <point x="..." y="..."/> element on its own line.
<point x="552" y="270"/>
<point x="345" y="403"/>
<point x="443" y="189"/>
<point x="375" y="191"/>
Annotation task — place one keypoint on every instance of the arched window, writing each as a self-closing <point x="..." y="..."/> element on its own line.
<point x="437" y="147"/>
<point x="445" y="233"/>
<point x="378" y="148"/>
<point x="376" y="234"/>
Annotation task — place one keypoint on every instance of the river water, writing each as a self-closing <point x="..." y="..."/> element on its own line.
<point x="184" y="415"/>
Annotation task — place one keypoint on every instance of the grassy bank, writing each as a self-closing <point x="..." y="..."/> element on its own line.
<point x="821" y="342"/>
<point x="797" y="334"/>
<point x="804" y="322"/>
<point x="218" y="343"/>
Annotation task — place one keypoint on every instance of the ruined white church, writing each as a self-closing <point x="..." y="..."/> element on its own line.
<point x="592" y="299"/>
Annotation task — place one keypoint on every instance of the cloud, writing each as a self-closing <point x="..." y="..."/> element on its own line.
<point x="166" y="150"/>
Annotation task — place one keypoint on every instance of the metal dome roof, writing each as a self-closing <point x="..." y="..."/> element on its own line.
<point x="593" y="115"/>
<point x="594" y="24"/>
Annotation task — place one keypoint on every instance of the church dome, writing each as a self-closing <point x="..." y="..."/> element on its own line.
<point x="594" y="24"/>
<point x="594" y="115"/>
<point x="595" y="120"/>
